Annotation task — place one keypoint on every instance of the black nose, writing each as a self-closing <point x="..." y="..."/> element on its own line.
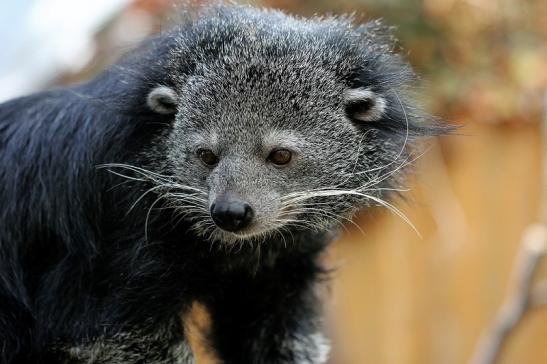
<point x="231" y="214"/>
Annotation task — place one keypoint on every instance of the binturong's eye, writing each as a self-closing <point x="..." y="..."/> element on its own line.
<point x="207" y="157"/>
<point x="280" y="157"/>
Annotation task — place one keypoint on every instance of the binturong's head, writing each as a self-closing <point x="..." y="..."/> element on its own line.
<point x="283" y="123"/>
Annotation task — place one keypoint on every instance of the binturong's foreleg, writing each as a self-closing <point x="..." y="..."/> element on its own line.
<point x="271" y="315"/>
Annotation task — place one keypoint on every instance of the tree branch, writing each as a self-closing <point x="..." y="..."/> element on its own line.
<point x="520" y="299"/>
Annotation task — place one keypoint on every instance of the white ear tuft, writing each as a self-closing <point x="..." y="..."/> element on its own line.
<point x="363" y="104"/>
<point x="163" y="100"/>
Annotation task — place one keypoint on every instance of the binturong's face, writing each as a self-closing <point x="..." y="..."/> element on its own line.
<point x="266" y="141"/>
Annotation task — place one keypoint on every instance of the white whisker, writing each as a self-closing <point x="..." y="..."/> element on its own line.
<point x="305" y="195"/>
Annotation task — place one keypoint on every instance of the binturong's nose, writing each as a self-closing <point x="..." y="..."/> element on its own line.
<point x="231" y="214"/>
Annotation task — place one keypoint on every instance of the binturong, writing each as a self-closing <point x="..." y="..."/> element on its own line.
<point x="209" y="166"/>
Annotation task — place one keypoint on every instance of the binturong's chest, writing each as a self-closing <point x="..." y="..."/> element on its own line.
<point x="184" y="341"/>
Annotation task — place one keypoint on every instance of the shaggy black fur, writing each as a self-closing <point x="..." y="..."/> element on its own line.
<point x="75" y="266"/>
<point x="75" y="262"/>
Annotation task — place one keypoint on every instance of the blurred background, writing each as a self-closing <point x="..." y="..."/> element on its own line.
<point x="395" y="297"/>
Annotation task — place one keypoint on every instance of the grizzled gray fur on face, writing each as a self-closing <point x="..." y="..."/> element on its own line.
<point x="327" y="93"/>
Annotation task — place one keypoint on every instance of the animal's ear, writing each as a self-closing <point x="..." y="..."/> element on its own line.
<point x="364" y="105"/>
<point x="163" y="100"/>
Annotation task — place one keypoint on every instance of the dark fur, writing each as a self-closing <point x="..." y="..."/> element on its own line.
<point x="75" y="265"/>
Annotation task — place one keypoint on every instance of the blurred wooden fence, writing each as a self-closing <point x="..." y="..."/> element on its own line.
<point x="398" y="298"/>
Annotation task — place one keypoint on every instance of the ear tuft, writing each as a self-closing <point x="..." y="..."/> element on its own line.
<point x="163" y="100"/>
<point x="364" y="105"/>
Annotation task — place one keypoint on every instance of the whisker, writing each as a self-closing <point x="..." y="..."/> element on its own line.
<point x="325" y="213"/>
<point x="142" y="171"/>
<point x="148" y="217"/>
<point x="405" y="163"/>
<point x="189" y="203"/>
<point x="338" y="192"/>
<point x="142" y="196"/>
